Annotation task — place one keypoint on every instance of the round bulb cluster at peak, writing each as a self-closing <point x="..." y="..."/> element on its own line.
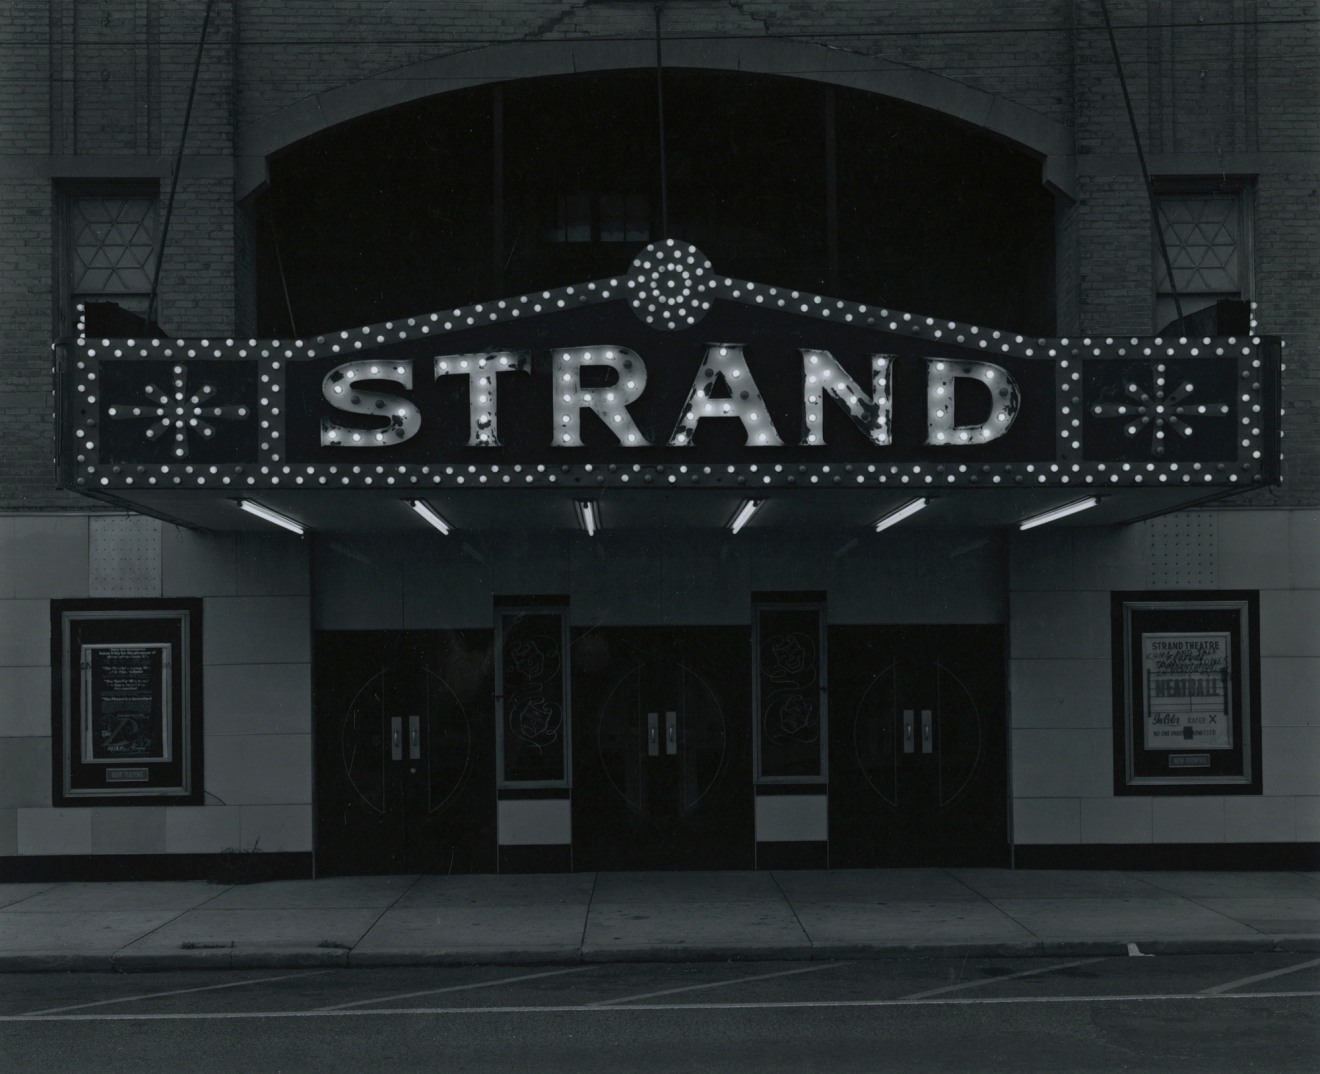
<point x="669" y="284"/>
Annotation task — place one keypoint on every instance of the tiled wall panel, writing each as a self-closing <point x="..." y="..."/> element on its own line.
<point x="1060" y="583"/>
<point x="256" y="678"/>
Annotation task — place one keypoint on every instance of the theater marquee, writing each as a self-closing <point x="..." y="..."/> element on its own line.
<point x="672" y="373"/>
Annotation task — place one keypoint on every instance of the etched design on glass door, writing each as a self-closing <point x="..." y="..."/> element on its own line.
<point x="885" y="731"/>
<point x="639" y="740"/>
<point x="387" y="726"/>
<point x="535" y="719"/>
<point x="792" y="713"/>
<point x="532" y="696"/>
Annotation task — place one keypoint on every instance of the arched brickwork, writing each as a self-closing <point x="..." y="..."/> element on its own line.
<point x="1050" y="141"/>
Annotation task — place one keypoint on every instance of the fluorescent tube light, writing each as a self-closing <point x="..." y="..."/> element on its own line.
<point x="1059" y="512"/>
<point x="428" y="512"/>
<point x="265" y="513"/>
<point x="906" y="511"/>
<point x="745" y="512"/>
<point x="588" y="513"/>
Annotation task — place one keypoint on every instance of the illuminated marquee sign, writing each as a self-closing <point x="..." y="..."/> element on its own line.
<point x="669" y="373"/>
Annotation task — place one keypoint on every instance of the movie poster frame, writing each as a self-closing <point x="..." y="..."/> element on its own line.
<point x="1219" y="758"/>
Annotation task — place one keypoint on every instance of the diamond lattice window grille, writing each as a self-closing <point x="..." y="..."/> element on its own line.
<point x="1203" y="236"/>
<point x="114" y="244"/>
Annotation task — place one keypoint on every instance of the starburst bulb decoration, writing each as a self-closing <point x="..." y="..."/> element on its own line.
<point x="174" y="410"/>
<point x="1160" y="411"/>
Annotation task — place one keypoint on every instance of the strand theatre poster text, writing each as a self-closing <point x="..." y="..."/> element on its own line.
<point x="1187" y="691"/>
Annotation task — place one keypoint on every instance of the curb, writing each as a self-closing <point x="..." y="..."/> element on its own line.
<point x="465" y="956"/>
<point x="126" y="960"/>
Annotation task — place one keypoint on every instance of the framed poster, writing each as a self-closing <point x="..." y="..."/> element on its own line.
<point x="127" y="692"/>
<point x="126" y="703"/>
<point x="1186" y="693"/>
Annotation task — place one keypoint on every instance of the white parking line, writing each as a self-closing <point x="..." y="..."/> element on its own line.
<point x="455" y="988"/>
<point x="1260" y="977"/>
<point x="175" y="992"/>
<point x="715" y="984"/>
<point x="1006" y="977"/>
<point x="956" y="1001"/>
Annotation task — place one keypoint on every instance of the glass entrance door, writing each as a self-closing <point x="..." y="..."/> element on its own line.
<point x="661" y="747"/>
<point x="918" y="747"/>
<point x="405" y="747"/>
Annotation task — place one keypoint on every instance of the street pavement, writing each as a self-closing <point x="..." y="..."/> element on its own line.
<point x="916" y="1014"/>
<point x="652" y="917"/>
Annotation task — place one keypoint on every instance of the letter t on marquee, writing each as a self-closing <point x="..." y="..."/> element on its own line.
<point x="481" y="371"/>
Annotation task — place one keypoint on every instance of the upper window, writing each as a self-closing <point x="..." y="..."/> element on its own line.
<point x="1207" y="236"/>
<point x="110" y="257"/>
<point x="602" y="218"/>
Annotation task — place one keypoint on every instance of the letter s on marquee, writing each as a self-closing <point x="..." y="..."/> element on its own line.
<point x="341" y="391"/>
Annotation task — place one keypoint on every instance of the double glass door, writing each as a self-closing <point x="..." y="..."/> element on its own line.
<point x="404" y="752"/>
<point x="661" y="747"/>
<point x="918" y="747"/>
<point x="664" y="748"/>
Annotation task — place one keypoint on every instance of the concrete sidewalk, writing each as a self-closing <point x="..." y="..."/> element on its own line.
<point x="412" y="920"/>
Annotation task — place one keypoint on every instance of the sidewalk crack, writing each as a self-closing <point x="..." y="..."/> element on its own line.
<point x="367" y="931"/>
<point x="168" y="921"/>
<point x="811" y="944"/>
<point x="586" y="918"/>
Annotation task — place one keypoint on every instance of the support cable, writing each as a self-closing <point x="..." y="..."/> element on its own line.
<point x="1141" y="158"/>
<point x="178" y="165"/>
<point x="660" y="106"/>
<point x="279" y="262"/>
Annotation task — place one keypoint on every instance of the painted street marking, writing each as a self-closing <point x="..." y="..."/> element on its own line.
<point x="456" y="988"/>
<point x="1260" y="977"/>
<point x="957" y="1001"/>
<point x="715" y="984"/>
<point x="175" y="992"/>
<point x="1006" y="977"/>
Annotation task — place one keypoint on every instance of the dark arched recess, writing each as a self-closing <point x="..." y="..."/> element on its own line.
<point x="503" y="188"/>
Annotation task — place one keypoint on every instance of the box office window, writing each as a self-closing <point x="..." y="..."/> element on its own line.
<point x="127" y="718"/>
<point x="1186" y="693"/>
<point x="789" y="689"/>
<point x="531" y="692"/>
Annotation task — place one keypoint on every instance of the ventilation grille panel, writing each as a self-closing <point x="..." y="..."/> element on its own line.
<point x="1184" y="551"/>
<point x="124" y="557"/>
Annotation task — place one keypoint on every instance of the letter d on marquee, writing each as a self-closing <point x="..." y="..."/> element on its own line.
<point x="942" y="375"/>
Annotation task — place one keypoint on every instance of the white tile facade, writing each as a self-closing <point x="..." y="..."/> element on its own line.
<point x="256" y="678"/>
<point x="1061" y="688"/>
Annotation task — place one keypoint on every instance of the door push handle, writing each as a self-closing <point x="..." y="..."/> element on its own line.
<point x="396" y="738"/>
<point x="652" y="734"/>
<point x="926" y="743"/>
<point x="671" y="733"/>
<point x="414" y="738"/>
<point x="909" y="740"/>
